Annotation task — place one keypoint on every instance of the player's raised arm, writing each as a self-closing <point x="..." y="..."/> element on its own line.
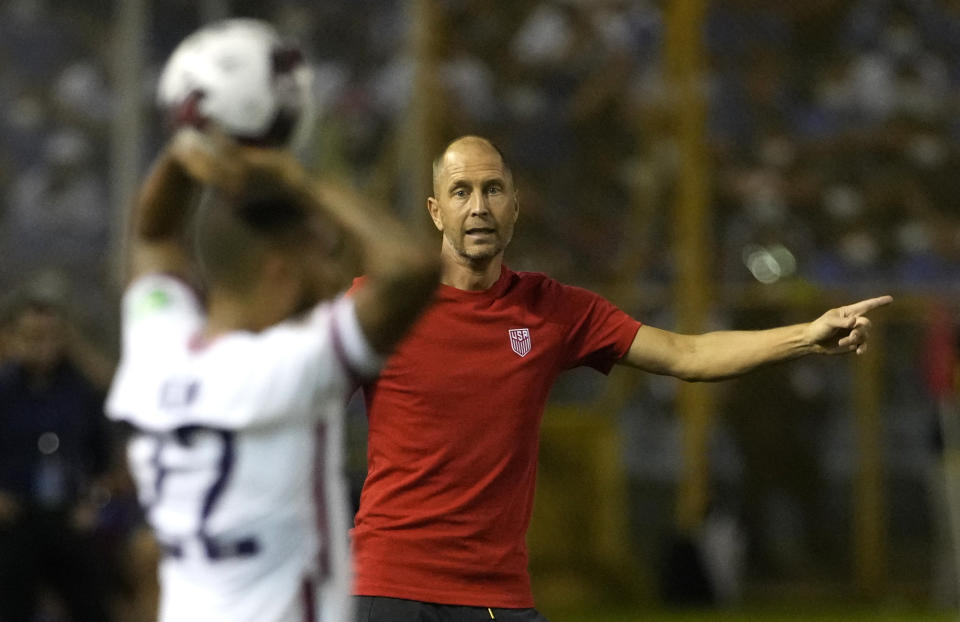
<point x="401" y="270"/>
<point x="163" y="205"/>
<point x="725" y="354"/>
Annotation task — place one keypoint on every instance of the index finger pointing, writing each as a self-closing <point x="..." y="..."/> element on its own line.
<point x="864" y="306"/>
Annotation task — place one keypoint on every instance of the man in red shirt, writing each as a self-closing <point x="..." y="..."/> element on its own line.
<point x="454" y="417"/>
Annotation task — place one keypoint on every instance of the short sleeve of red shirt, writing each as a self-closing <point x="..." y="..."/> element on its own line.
<point x="599" y="333"/>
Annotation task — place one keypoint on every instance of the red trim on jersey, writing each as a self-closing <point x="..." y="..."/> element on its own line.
<point x="199" y="342"/>
<point x="308" y="594"/>
<point x="353" y="376"/>
<point x="454" y="435"/>
<point x="324" y="559"/>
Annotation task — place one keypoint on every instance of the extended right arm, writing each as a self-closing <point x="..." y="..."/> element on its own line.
<point x="725" y="354"/>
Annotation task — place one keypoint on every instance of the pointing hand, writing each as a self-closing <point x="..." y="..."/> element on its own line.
<point x="844" y="329"/>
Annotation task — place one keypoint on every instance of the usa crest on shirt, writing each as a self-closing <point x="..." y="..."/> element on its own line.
<point x="520" y="341"/>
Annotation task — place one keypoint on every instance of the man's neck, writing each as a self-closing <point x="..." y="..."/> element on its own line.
<point x="226" y="314"/>
<point x="470" y="275"/>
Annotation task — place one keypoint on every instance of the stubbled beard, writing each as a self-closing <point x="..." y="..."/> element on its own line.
<point x="478" y="254"/>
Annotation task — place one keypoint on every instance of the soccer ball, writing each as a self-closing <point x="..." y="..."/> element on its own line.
<point x="240" y="74"/>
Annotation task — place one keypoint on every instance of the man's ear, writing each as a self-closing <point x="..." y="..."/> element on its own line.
<point x="433" y="206"/>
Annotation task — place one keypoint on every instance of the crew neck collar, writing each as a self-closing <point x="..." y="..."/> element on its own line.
<point x="448" y="292"/>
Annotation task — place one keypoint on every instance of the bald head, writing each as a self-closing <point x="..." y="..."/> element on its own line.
<point x="465" y="146"/>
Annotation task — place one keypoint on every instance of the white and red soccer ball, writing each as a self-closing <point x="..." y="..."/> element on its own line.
<point x="242" y="75"/>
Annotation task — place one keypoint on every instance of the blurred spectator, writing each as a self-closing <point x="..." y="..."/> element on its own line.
<point x="56" y="214"/>
<point x="81" y="95"/>
<point x="939" y="371"/>
<point x="53" y="449"/>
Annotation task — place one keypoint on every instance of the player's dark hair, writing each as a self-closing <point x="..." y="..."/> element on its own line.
<point x="232" y="237"/>
<point x="272" y="215"/>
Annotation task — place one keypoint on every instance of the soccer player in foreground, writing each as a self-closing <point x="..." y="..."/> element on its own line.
<point x="235" y="399"/>
<point x="455" y="414"/>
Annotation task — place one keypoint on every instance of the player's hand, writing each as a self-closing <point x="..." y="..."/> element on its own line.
<point x="264" y="169"/>
<point x="212" y="157"/>
<point x="844" y="329"/>
<point x="208" y="157"/>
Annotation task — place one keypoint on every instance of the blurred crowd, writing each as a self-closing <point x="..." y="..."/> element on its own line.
<point x="832" y="126"/>
<point x="833" y="145"/>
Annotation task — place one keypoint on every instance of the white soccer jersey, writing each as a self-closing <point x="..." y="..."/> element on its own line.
<point x="236" y="453"/>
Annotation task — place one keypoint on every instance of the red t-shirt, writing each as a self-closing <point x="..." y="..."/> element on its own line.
<point x="454" y="433"/>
